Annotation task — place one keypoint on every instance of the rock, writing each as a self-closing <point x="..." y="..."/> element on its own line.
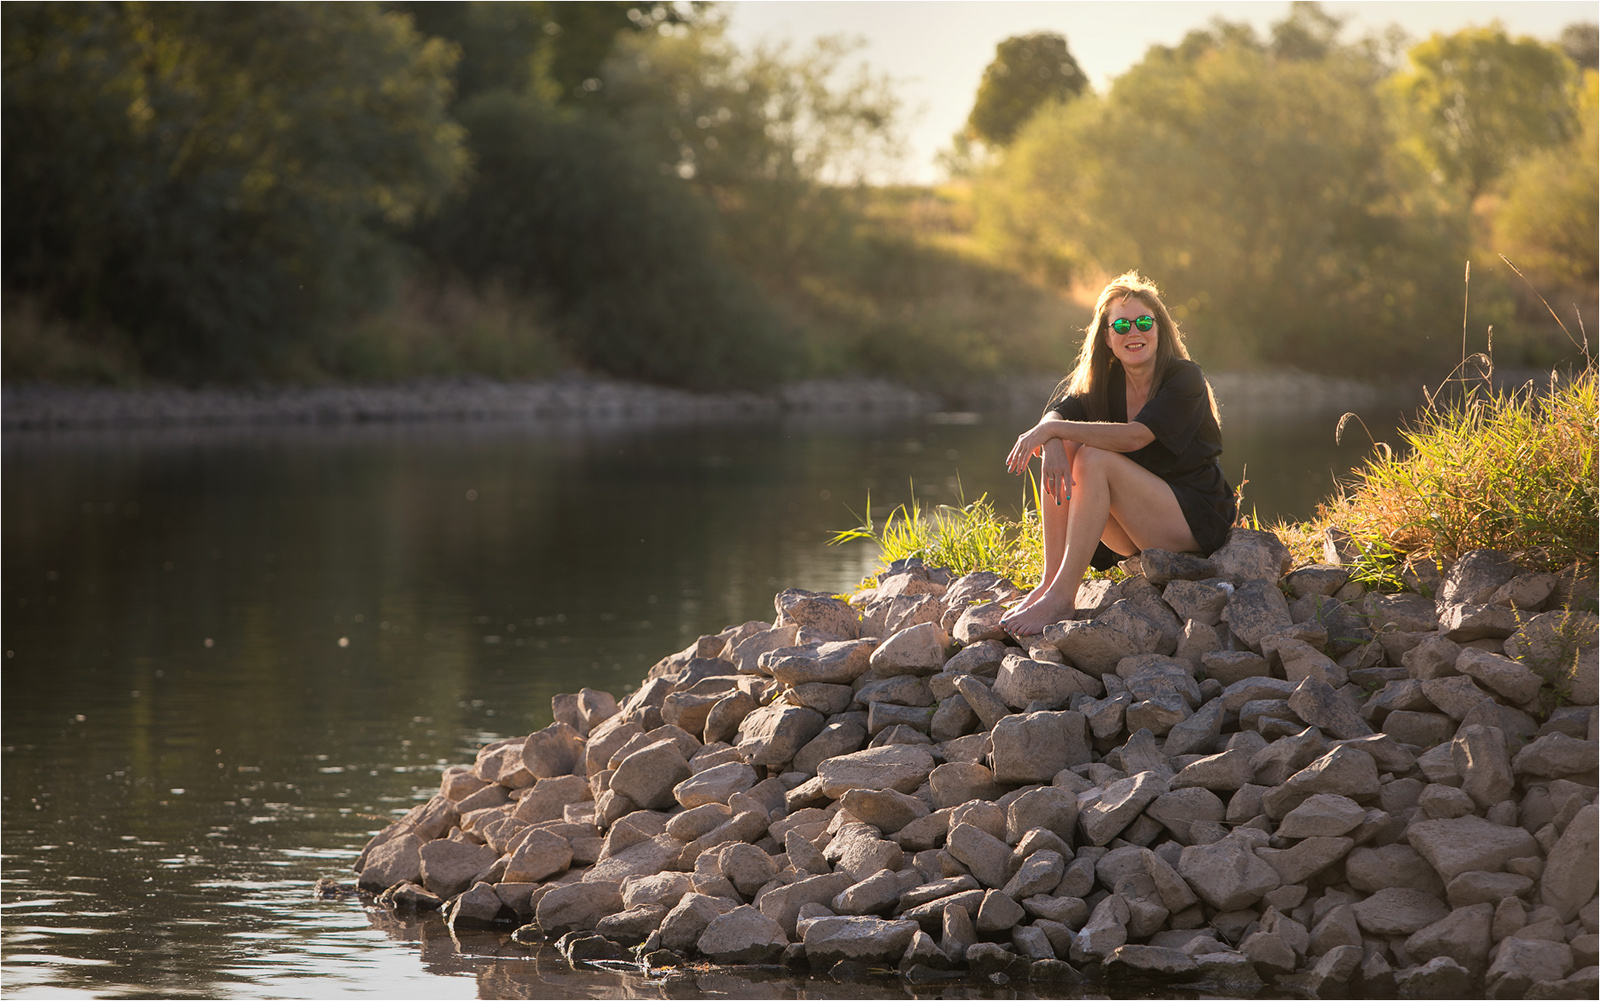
<point x="1161" y="566"/>
<point x="1320" y="706"/>
<point x="577" y="906"/>
<point x="1250" y="555"/>
<point x="448" y="867"/>
<point x="1468" y="843"/>
<point x="902" y="767"/>
<point x="558" y="749"/>
<point x="984" y="703"/>
<point x="1040" y="873"/>
<point x="985" y="855"/>
<point x="998" y="913"/>
<point x="632" y="926"/>
<point x="1150" y="961"/>
<point x="1462" y="935"/>
<point x="1560" y="645"/>
<point x="1178" y="809"/>
<point x="857" y="851"/>
<point x="1475" y="577"/>
<point x="687" y="921"/>
<point x="773" y="735"/>
<point x="782" y="904"/>
<point x="1509" y="677"/>
<point x="1372" y="869"/>
<point x="1343" y="771"/>
<point x="665" y="889"/>
<point x="648" y="775"/>
<point x="1434" y="657"/>
<point x="1021" y="682"/>
<point x="1227" y="874"/>
<point x="1271" y="954"/>
<point x="1116" y="808"/>
<point x="817" y="611"/>
<point x="714" y="785"/>
<point x="396" y="861"/>
<point x="1322" y="815"/>
<point x="1106" y="929"/>
<point x="1455" y="696"/>
<point x="728" y="713"/>
<point x="1226" y="771"/>
<point x="1196" y="600"/>
<point x="1486" y="887"/>
<point x="1419" y="729"/>
<point x="1231" y="666"/>
<point x="1093" y="646"/>
<point x="1306" y="859"/>
<point x="541" y="854"/>
<point x="921" y="649"/>
<point x="1197" y="733"/>
<point x="834" y="663"/>
<point x="640" y="859"/>
<point x="1464" y="623"/>
<point x="1033" y="747"/>
<point x="1406" y="613"/>
<point x="830" y="940"/>
<point x="1570" y="872"/>
<point x="1554" y="755"/>
<point x="1441" y="977"/>
<point x="957" y="782"/>
<point x="1480" y="756"/>
<point x="1519" y="963"/>
<point x="1255" y="611"/>
<point x="1396" y="910"/>
<point x="742" y="935"/>
<point x="1050" y="808"/>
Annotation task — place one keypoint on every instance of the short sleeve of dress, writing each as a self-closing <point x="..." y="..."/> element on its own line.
<point x="1070" y="408"/>
<point x="1173" y="414"/>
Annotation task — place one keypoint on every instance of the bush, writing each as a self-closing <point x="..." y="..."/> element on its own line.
<point x="561" y="209"/>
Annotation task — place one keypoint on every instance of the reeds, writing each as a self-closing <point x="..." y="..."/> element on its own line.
<point x="963" y="538"/>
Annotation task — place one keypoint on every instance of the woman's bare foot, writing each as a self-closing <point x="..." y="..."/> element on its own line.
<point x="1023" y="605"/>
<point x="1044" y="608"/>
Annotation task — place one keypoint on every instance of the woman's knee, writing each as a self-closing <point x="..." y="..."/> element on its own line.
<point x="1089" y="460"/>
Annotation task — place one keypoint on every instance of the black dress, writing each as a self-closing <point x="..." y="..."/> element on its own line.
<point x="1185" y="451"/>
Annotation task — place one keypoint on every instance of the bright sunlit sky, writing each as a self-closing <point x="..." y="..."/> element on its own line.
<point x="936" y="51"/>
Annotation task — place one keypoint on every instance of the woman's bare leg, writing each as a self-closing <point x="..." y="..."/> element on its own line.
<point x="1108" y="488"/>
<point x="1053" y="528"/>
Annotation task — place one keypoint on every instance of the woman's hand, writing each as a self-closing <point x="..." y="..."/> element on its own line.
<point x="1028" y="444"/>
<point x="1056" y="470"/>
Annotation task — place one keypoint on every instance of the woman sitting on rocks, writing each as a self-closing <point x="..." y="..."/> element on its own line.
<point x="1114" y="486"/>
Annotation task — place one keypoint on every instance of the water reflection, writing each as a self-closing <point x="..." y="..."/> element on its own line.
<point x="231" y="655"/>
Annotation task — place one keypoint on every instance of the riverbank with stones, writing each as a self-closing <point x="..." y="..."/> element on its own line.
<point x="578" y="397"/>
<point x="1219" y="772"/>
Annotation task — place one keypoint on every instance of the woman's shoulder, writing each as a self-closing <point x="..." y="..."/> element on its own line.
<point x="1182" y="373"/>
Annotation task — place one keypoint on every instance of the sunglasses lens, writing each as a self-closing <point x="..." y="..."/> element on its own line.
<point x="1145" y="322"/>
<point x="1120" y="325"/>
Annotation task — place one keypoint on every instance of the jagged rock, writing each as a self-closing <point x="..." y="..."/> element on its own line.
<point x="864" y="939"/>
<point x="687" y="921"/>
<point x="1226" y="771"/>
<point x="773" y="735"/>
<point x="1116" y="808"/>
<point x="742" y="935"/>
<point x="1519" y="963"/>
<point x="817" y="611"/>
<point x="396" y="861"/>
<point x="1570" y="871"/>
<point x="1440" y="977"/>
<point x="1021" y="681"/>
<point x="1093" y="646"/>
<point x="1227" y="874"/>
<point x="1396" y="910"/>
<point x="1033" y="747"/>
<point x="1468" y="843"/>
<point x="1250" y="554"/>
<point x="921" y="649"/>
<point x="448" y="867"/>
<point x="1554" y="755"/>
<point x="648" y="775"/>
<point x="1320" y="706"/>
<point x="1462" y="935"/>
<point x="577" y="906"/>
<point x="903" y="767"/>
<point x="984" y="854"/>
<point x="1480" y="756"/>
<point x="1255" y="611"/>
<point x="714" y="785"/>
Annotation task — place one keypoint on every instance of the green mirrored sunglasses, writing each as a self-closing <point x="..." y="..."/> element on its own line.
<point x="1122" y="324"/>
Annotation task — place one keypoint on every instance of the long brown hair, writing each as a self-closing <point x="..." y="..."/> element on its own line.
<point x="1090" y="377"/>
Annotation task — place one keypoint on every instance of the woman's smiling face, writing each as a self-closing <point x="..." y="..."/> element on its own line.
<point x="1136" y="347"/>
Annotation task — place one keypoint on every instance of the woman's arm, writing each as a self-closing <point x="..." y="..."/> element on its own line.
<point x="1112" y="437"/>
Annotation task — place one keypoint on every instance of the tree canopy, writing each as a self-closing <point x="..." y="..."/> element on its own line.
<point x="1028" y="72"/>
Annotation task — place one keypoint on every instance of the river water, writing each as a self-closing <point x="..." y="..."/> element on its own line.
<point x="231" y="655"/>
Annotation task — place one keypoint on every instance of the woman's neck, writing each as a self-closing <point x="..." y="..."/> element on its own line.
<point x="1139" y="378"/>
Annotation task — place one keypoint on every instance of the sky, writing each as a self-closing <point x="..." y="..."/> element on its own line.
<point x="936" y="50"/>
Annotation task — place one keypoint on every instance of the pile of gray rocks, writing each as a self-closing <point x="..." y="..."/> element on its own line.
<point x="1216" y="771"/>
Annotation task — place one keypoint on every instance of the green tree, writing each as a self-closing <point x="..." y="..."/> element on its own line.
<point x="775" y="138"/>
<point x="1551" y="213"/>
<point x="1028" y="72"/>
<point x="219" y="181"/>
<point x="1259" y="189"/>
<point x="1477" y="100"/>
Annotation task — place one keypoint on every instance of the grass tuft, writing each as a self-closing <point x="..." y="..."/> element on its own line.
<point x="1513" y="471"/>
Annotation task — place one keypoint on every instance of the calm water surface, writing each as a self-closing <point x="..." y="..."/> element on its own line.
<point x="233" y="655"/>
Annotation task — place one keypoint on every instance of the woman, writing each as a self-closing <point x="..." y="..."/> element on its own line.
<point x="1115" y="485"/>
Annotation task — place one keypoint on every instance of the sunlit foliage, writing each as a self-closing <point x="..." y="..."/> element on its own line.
<point x="1478" y="99"/>
<point x="1551" y="215"/>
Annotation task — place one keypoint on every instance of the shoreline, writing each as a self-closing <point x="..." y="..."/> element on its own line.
<point x="1195" y="780"/>
<point x="38" y="407"/>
